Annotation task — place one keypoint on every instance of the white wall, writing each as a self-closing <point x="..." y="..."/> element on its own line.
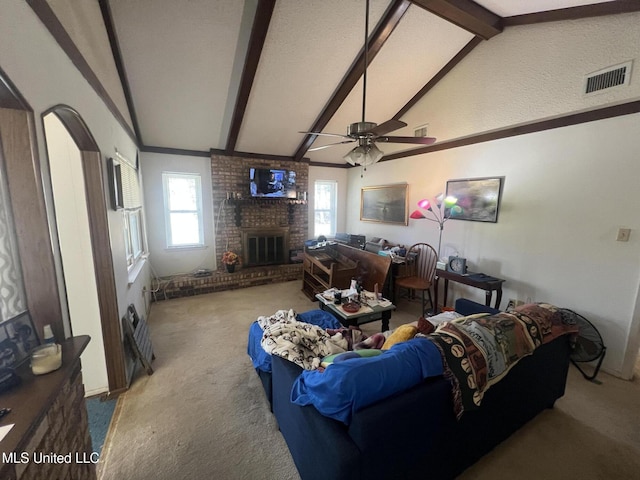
<point x="566" y="192"/>
<point x="339" y="175"/>
<point x="170" y="261"/>
<point x="45" y="77"/>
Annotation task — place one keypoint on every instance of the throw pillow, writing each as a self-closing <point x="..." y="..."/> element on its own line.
<point x="401" y="334"/>
<point x="341" y="357"/>
<point x="425" y="326"/>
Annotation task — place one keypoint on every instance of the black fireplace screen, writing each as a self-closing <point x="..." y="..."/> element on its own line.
<point x="270" y="247"/>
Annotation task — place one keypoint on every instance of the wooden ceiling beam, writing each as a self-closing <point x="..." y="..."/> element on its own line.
<point x="473" y="43"/>
<point x="107" y="17"/>
<point x="466" y="14"/>
<point x="47" y="16"/>
<point x="385" y="27"/>
<point x="259" y="31"/>
<point x="570" y="119"/>
<point x="575" y="13"/>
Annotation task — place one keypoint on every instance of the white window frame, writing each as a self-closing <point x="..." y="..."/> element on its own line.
<point x="333" y="209"/>
<point x="166" y="177"/>
<point x="133" y="235"/>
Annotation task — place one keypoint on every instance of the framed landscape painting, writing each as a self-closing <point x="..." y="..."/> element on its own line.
<point x="478" y="198"/>
<point x="385" y="204"/>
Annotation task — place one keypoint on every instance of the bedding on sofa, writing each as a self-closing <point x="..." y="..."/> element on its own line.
<point x="260" y="359"/>
<point x="473" y="353"/>
<point x="477" y="351"/>
<point x="299" y="342"/>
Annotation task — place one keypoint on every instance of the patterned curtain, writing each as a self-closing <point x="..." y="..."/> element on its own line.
<point x="12" y="294"/>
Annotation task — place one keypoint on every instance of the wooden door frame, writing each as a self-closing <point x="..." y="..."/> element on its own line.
<point x="93" y="171"/>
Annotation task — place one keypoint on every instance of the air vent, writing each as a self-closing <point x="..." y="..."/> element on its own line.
<point x="615" y="76"/>
<point x="421" y="131"/>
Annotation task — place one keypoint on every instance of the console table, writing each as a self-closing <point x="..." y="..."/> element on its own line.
<point x="482" y="281"/>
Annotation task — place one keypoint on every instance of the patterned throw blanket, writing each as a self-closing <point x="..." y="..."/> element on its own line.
<point x="301" y="343"/>
<point x="478" y="350"/>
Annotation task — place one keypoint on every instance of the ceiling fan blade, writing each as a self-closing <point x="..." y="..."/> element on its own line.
<point x="420" y="140"/>
<point x="330" y="145"/>
<point x="326" y="134"/>
<point x="388" y="126"/>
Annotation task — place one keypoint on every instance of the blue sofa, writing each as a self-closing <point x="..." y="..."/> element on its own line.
<point x="415" y="434"/>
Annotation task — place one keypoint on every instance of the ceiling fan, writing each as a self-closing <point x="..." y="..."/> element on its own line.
<point x="366" y="134"/>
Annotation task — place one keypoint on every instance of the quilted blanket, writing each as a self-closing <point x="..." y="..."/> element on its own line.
<point x="479" y="350"/>
<point x="299" y="342"/>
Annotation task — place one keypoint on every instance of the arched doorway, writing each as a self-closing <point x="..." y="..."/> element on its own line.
<point x="90" y="256"/>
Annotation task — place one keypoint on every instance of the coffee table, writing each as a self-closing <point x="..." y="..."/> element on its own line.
<point x="366" y="314"/>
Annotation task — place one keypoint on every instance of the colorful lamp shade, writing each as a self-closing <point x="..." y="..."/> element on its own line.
<point x="444" y="207"/>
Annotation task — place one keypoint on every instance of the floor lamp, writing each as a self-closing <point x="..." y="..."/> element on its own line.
<point x="439" y="213"/>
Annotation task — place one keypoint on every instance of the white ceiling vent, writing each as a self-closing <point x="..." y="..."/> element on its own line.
<point x="610" y="77"/>
<point x="421" y="131"/>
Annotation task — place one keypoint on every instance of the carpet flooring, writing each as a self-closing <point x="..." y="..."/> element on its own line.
<point x="203" y="413"/>
<point x="99" y="413"/>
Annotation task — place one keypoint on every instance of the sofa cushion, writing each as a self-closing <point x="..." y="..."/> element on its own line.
<point x="344" y="388"/>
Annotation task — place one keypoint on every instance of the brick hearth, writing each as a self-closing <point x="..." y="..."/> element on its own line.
<point x="188" y="285"/>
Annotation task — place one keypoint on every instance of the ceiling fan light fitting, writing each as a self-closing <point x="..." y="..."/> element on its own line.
<point x="364" y="155"/>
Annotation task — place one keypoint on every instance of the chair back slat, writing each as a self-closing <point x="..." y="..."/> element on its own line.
<point x="425" y="261"/>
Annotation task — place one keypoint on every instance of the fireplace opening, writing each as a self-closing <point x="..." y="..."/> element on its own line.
<point x="266" y="246"/>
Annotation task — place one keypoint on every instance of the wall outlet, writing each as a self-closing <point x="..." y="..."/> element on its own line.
<point x="623" y="234"/>
<point x="513" y="303"/>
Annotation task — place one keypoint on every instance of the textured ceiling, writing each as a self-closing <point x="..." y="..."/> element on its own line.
<point x="184" y="63"/>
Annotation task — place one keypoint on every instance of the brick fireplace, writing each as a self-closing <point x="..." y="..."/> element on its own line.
<point x="241" y="213"/>
<point x="262" y="231"/>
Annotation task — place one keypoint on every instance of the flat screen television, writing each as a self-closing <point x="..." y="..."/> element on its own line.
<point x="272" y="183"/>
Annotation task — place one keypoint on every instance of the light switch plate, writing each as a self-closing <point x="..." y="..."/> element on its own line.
<point x="623" y="234"/>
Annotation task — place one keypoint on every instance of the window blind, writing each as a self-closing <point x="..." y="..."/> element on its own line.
<point x="130" y="186"/>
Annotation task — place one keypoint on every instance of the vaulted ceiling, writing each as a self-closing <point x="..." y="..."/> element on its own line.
<point x="247" y="76"/>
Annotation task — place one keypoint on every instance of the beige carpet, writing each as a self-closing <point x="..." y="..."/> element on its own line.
<point x="203" y="414"/>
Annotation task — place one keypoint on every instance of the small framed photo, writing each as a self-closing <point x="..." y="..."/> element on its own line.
<point x="17" y="339"/>
<point x="478" y="198"/>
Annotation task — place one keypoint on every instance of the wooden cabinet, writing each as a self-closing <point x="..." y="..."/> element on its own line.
<point x="325" y="268"/>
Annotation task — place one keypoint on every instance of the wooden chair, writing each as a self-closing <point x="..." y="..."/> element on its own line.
<point x="420" y="270"/>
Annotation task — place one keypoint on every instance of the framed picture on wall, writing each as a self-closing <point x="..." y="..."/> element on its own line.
<point x="478" y="198"/>
<point x="385" y="204"/>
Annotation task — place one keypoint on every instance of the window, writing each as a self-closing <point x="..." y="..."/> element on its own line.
<point x="325" y="199"/>
<point x="132" y="213"/>
<point x="133" y="235"/>
<point x="183" y="209"/>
